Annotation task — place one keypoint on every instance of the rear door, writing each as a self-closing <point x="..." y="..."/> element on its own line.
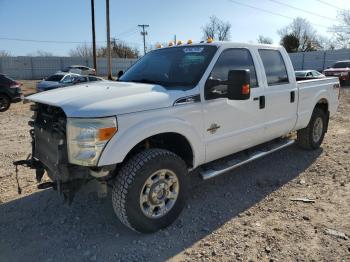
<point x="281" y="94"/>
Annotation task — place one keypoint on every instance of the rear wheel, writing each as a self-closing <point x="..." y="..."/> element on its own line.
<point x="4" y="103"/>
<point x="311" y="137"/>
<point x="150" y="190"/>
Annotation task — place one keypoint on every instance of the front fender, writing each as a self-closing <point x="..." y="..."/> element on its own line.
<point x="132" y="132"/>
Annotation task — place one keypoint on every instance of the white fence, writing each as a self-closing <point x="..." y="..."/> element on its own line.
<point x="24" y="67"/>
<point x="318" y="60"/>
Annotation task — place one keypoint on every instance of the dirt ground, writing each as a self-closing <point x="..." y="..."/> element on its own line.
<point x="245" y="215"/>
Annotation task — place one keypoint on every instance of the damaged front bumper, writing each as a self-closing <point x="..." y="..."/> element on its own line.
<point x="49" y="153"/>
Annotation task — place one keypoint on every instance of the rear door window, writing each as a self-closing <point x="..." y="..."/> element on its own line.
<point x="80" y="79"/>
<point x="55" y="78"/>
<point x="315" y="73"/>
<point x="67" y="79"/>
<point x="275" y="68"/>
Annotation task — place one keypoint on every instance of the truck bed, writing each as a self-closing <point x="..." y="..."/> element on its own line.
<point x="311" y="91"/>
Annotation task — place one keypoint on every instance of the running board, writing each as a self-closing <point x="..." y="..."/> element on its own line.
<point x="213" y="169"/>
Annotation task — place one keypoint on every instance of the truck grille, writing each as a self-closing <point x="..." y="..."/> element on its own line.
<point x="50" y="136"/>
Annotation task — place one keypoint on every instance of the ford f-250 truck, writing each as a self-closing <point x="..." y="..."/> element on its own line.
<point x="180" y="108"/>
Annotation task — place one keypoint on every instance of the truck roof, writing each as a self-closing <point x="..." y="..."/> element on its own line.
<point x="228" y="44"/>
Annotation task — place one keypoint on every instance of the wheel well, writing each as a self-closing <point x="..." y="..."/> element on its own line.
<point x="173" y="142"/>
<point x="323" y="104"/>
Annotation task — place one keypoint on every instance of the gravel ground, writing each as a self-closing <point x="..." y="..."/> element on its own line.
<point x="244" y="215"/>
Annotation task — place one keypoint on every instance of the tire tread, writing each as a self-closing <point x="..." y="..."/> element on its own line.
<point x="126" y="177"/>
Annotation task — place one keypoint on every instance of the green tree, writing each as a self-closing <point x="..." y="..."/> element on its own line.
<point x="290" y="42"/>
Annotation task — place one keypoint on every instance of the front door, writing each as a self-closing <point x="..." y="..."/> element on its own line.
<point x="232" y="125"/>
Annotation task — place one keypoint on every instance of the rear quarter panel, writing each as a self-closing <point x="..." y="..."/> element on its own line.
<point x="310" y="93"/>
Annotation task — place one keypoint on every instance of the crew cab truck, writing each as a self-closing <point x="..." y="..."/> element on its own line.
<point x="180" y="108"/>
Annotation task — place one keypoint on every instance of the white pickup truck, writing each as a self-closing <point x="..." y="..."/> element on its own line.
<point x="180" y="108"/>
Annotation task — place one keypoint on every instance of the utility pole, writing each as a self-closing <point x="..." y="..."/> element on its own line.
<point x="93" y="34"/>
<point x="109" y="59"/>
<point x="144" y="33"/>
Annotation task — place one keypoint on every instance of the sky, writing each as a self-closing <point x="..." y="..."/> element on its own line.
<point x="70" y="21"/>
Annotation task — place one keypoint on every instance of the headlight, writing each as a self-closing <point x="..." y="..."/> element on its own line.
<point x="343" y="73"/>
<point x="87" y="137"/>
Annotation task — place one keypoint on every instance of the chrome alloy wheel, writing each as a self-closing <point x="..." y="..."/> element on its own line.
<point x="159" y="193"/>
<point x="317" y="130"/>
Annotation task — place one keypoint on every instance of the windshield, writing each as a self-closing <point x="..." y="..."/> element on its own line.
<point x="341" y="65"/>
<point x="176" y="66"/>
<point x="55" y="78"/>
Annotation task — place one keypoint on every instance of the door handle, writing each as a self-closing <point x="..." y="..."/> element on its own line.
<point x="262" y="102"/>
<point x="292" y="96"/>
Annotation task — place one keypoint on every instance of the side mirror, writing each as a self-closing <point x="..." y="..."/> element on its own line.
<point x="238" y="85"/>
<point x="120" y="73"/>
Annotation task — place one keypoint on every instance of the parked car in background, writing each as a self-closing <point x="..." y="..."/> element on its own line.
<point x="308" y="74"/>
<point x="10" y="92"/>
<point x="79" y="69"/>
<point x="340" y="69"/>
<point x="64" y="79"/>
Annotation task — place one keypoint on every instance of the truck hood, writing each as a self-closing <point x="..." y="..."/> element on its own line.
<point x="108" y="98"/>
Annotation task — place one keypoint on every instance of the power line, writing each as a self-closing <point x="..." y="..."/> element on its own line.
<point x="331" y="5"/>
<point x="61" y="42"/>
<point x="128" y="32"/>
<point x="270" y="12"/>
<point x="303" y="10"/>
<point x="46" y="41"/>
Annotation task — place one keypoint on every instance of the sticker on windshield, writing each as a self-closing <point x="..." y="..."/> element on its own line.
<point x="193" y="49"/>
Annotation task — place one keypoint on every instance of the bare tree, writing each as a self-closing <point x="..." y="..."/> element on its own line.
<point x="4" y="53"/>
<point x="40" y="53"/>
<point x="265" y="40"/>
<point x="217" y="29"/>
<point x="327" y="43"/>
<point x="306" y="34"/>
<point x="342" y="30"/>
<point x="119" y="49"/>
<point x="82" y="50"/>
<point x="43" y="53"/>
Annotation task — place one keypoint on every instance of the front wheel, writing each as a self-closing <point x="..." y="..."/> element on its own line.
<point x="150" y="190"/>
<point x="311" y="137"/>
